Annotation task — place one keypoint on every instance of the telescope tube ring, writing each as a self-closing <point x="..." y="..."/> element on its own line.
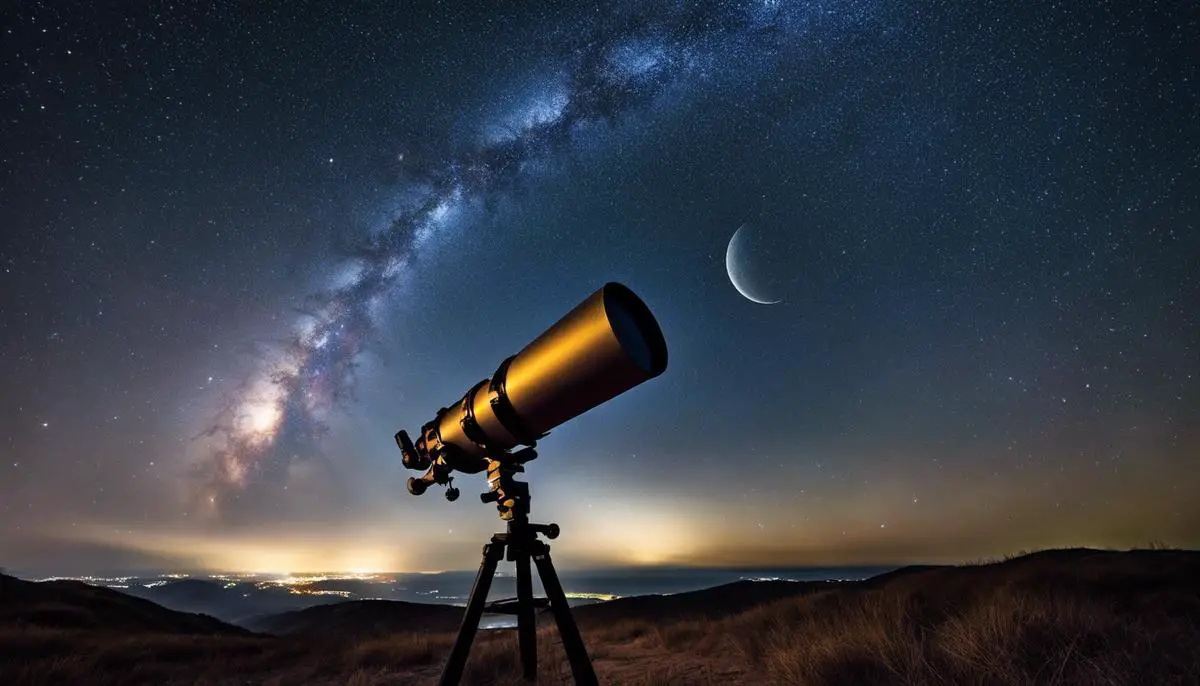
<point x="503" y="408"/>
<point x="470" y="426"/>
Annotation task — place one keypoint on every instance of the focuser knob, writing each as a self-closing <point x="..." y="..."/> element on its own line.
<point x="416" y="486"/>
<point x="550" y="531"/>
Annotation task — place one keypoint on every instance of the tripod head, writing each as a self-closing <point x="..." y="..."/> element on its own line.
<point x="512" y="496"/>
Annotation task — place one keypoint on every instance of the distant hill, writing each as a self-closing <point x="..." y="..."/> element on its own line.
<point x="1099" y="574"/>
<point x="362" y="618"/>
<point x="1096" y="572"/>
<point x="710" y="603"/>
<point x="75" y="605"/>
<point x="186" y="595"/>
<point x="234" y="603"/>
<point x="366" y="618"/>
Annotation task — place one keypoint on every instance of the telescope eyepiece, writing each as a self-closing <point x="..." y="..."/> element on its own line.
<point x="409" y="455"/>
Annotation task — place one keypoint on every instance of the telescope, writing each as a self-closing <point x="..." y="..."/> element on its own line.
<point x="605" y="346"/>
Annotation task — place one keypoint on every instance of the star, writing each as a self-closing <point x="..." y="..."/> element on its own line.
<point x="944" y="301"/>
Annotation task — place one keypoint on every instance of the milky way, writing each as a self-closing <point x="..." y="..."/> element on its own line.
<point x="608" y="74"/>
<point x="242" y="244"/>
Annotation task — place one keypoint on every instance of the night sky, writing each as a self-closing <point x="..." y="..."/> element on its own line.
<point x="241" y="244"/>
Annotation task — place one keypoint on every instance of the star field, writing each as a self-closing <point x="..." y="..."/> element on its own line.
<point x="242" y="246"/>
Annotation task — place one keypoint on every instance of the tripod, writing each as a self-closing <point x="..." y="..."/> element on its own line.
<point x="518" y="544"/>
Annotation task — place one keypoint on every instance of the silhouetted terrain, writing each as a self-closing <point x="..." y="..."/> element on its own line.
<point x="73" y="605"/>
<point x="366" y="618"/>
<point x="370" y="618"/>
<point x="1053" y="617"/>
<point x="234" y="603"/>
<point x="710" y="603"/>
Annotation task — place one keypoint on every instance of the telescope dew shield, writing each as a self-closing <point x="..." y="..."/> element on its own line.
<point x="605" y="346"/>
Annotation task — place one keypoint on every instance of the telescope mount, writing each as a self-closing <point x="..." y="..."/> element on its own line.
<point x="519" y="543"/>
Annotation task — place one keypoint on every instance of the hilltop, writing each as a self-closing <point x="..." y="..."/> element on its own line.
<point x="76" y="606"/>
<point x="1056" y="617"/>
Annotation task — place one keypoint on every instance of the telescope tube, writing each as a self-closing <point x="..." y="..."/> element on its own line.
<point x="605" y="346"/>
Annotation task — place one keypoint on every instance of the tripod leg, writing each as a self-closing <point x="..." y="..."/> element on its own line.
<point x="581" y="664"/>
<point x="452" y="672"/>
<point x="526" y="621"/>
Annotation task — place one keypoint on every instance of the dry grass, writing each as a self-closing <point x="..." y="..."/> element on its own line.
<point x="999" y="634"/>
<point x="1012" y="622"/>
<point x="53" y="657"/>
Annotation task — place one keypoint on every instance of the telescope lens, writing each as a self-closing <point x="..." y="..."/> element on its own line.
<point x="635" y="328"/>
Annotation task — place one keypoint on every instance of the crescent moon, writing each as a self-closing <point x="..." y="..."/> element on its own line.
<point x="732" y="263"/>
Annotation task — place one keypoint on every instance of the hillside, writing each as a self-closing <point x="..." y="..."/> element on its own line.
<point x="709" y="603"/>
<point x="363" y="618"/>
<point x="1059" y="617"/>
<point x="234" y="603"/>
<point x="73" y="605"/>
